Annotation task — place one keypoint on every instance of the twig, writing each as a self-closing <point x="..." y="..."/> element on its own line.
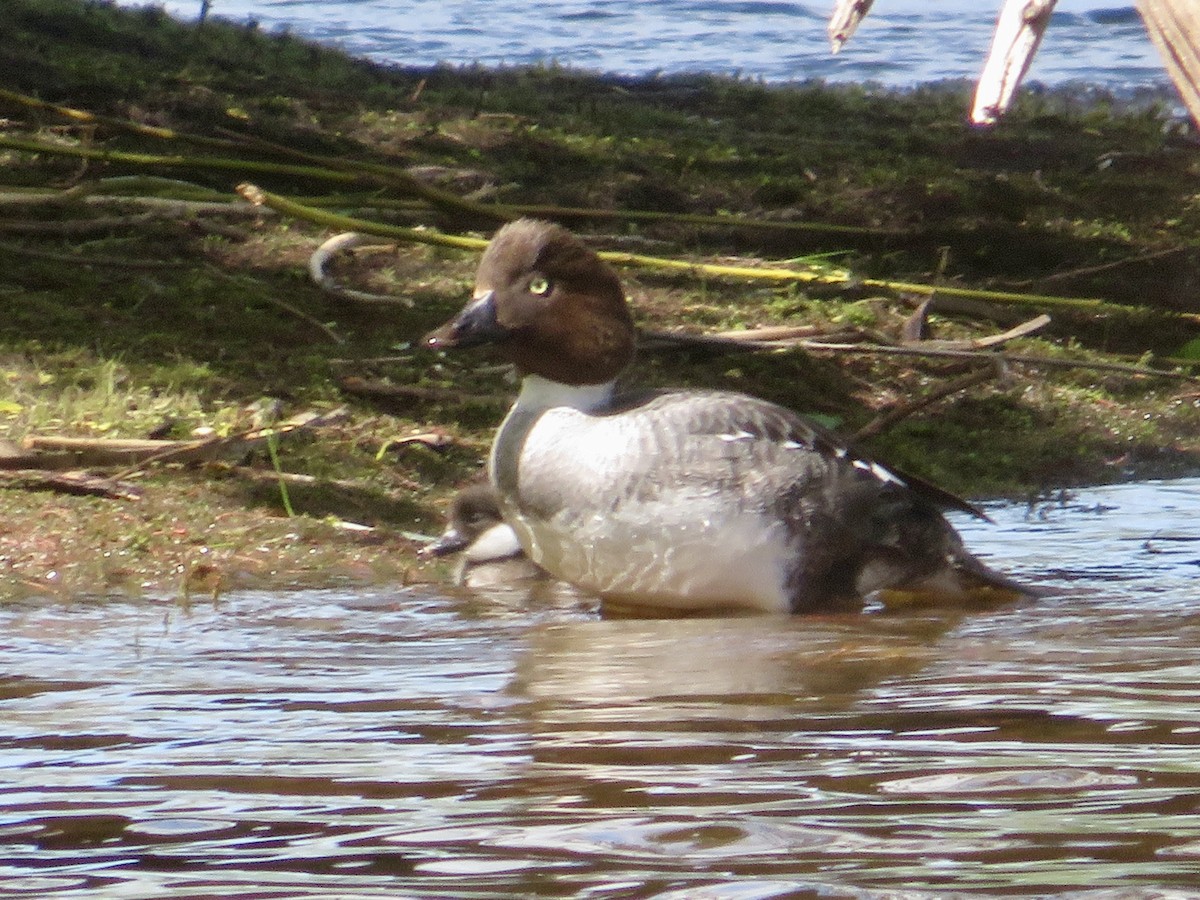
<point x="282" y="304"/>
<point x="385" y="391"/>
<point x="273" y="477"/>
<point x="900" y="411"/>
<point x="1104" y="267"/>
<point x="569" y="213"/>
<point x="78" y="260"/>
<point x="81" y="483"/>
<point x="773" y="338"/>
<point x="217" y="163"/>
<point x="78" y="226"/>
<point x="259" y="197"/>
<point x="783" y="336"/>
<point x="1037" y="323"/>
<point x="394" y="177"/>
<point x="123" y="451"/>
<point x="141" y="453"/>
<point x="433" y="440"/>
<point x="811" y="274"/>
<point x="33" y="459"/>
<point x="1025" y="359"/>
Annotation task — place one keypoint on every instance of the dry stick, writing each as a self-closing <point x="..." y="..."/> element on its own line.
<point x="1092" y="270"/>
<point x="392" y="176"/>
<point x="80" y="483"/>
<point x="730" y="339"/>
<point x="272" y="478"/>
<point x="259" y="197"/>
<point x="405" y="181"/>
<point x="282" y="304"/>
<point x="357" y="170"/>
<point x="376" y="389"/>
<point x="396" y="177"/>
<point x="189" y="162"/>
<point x="195" y="450"/>
<point x="78" y="226"/>
<point x="499" y="212"/>
<point x="123" y="451"/>
<point x="107" y="261"/>
<point x="782" y="336"/>
<point x="754" y="339"/>
<point x="1025" y="359"/>
<point x="1023" y="330"/>
<point x="900" y="411"/>
<point x="707" y="220"/>
<point x="169" y="208"/>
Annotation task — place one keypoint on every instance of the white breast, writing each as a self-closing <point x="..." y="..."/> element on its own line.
<point x="685" y="561"/>
<point x="594" y="507"/>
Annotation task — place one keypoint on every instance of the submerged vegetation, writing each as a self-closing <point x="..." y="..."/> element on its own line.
<point x="143" y="297"/>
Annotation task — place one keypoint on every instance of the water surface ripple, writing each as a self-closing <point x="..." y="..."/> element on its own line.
<point x="901" y="43"/>
<point x="419" y="743"/>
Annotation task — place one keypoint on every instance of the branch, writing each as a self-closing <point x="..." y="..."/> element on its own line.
<point x="75" y="259"/>
<point x="408" y="394"/>
<point x="812" y="274"/>
<point x="1025" y="359"/>
<point x="900" y="411"/>
<point x="268" y="297"/>
<point x="80" y="483"/>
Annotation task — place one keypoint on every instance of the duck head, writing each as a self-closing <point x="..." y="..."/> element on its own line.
<point x="551" y="306"/>
<point x="474" y="512"/>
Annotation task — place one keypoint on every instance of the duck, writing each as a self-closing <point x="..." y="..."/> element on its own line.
<point x="686" y="499"/>
<point x="489" y="554"/>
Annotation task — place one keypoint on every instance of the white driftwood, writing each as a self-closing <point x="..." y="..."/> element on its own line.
<point x="340" y="243"/>
<point x="1174" y="27"/>
<point x="1019" y="31"/>
<point x="844" y="21"/>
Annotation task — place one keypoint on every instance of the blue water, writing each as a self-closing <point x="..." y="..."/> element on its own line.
<point x="428" y="743"/>
<point x="901" y="43"/>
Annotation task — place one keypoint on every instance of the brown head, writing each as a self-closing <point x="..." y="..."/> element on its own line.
<point x="551" y="306"/>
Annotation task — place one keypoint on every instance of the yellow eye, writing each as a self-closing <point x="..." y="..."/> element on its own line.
<point x="539" y="285"/>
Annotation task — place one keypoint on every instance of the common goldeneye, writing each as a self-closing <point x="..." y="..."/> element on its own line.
<point x="682" y="499"/>
<point x="489" y="554"/>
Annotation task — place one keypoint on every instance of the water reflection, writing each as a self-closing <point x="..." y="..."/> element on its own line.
<point x="414" y="744"/>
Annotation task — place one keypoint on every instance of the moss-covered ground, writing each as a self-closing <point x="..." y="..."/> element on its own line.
<point x="129" y="320"/>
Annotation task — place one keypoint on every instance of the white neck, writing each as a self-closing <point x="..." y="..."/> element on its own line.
<point x="542" y="393"/>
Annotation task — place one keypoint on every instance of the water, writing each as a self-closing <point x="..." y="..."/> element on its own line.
<point x="901" y="43"/>
<point x="415" y="743"/>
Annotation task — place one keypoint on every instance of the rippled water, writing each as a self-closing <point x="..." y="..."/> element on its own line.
<point x="415" y="743"/>
<point x="902" y="42"/>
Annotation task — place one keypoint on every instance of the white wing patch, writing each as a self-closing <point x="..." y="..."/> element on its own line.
<point x="878" y="471"/>
<point x="740" y="435"/>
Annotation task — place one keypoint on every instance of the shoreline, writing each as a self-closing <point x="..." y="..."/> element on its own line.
<point x="902" y="47"/>
<point x="128" y="320"/>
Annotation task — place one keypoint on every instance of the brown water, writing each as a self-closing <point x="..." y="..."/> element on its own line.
<point x="417" y="744"/>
